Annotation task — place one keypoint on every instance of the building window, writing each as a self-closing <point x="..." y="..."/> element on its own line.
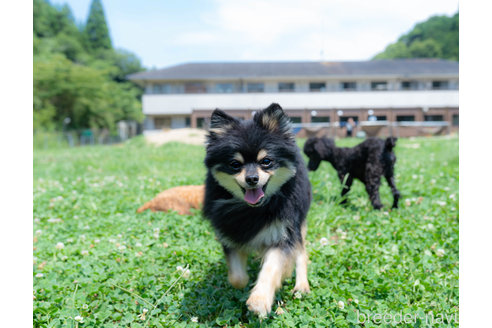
<point x="433" y="118"/>
<point x="255" y="87"/>
<point x="381" y="118"/>
<point x="195" y="87"/>
<point x="317" y="86"/>
<point x="456" y="120"/>
<point x="405" y="118"/>
<point x="409" y="85"/>
<point x="295" y="119"/>
<point x="440" y="85"/>
<point x="348" y="86"/>
<point x="286" y="86"/>
<point x="320" y="119"/>
<point x="161" y="88"/>
<point x="344" y="119"/>
<point x="162" y="122"/>
<point x="224" y="88"/>
<point x="379" y="86"/>
<point x="156" y="89"/>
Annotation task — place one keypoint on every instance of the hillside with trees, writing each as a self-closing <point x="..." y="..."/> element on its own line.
<point x="78" y="74"/>
<point x="437" y="37"/>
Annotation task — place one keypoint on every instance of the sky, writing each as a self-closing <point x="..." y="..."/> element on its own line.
<point x="164" y="33"/>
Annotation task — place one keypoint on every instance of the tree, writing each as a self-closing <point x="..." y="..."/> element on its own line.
<point x="394" y="50"/>
<point x="96" y="29"/>
<point x="428" y="48"/>
<point x="438" y="37"/>
<point x="86" y="95"/>
<point x="72" y="78"/>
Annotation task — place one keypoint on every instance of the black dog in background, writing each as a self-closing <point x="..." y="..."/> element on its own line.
<point x="367" y="162"/>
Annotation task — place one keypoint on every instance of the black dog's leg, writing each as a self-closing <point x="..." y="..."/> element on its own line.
<point x="394" y="191"/>
<point x="372" y="188"/>
<point x="346" y="184"/>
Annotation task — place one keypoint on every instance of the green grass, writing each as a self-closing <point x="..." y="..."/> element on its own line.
<point x="115" y="263"/>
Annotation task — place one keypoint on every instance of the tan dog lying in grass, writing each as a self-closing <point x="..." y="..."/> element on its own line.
<point x="180" y="199"/>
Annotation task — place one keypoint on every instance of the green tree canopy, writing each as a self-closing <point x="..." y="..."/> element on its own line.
<point x="438" y="37"/>
<point x="86" y="83"/>
<point x="96" y="29"/>
<point x="86" y="95"/>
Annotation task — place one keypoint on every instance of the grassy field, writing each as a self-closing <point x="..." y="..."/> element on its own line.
<point x="99" y="264"/>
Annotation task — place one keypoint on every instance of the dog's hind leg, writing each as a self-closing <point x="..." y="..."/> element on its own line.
<point x="394" y="191"/>
<point x="277" y="265"/>
<point x="302" y="283"/>
<point x="236" y="263"/>
<point x="372" y="188"/>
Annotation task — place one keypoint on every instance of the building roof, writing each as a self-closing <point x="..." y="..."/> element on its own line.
<point x="248" y="70"/>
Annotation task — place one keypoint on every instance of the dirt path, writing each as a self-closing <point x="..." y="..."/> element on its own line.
<point x="186" y="135"/>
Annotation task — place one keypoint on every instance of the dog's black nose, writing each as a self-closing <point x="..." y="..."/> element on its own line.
<point x="252" y="180"/>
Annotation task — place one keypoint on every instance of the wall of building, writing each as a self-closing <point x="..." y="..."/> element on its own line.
<point x="173" y="104"/>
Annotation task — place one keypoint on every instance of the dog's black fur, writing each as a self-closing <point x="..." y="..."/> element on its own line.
<point x="236" y="221"/>
<point x="367" y="162"/>
<point x="234" y="218"/>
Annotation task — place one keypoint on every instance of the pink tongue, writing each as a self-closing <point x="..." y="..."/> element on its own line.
<point x="252" y="196"/>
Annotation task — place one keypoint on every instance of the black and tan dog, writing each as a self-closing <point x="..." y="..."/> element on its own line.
<point x="257" y="195"/>
<point x="367" y="161"/>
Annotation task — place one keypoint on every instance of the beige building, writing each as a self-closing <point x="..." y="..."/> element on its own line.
<point x="399" y="97"/>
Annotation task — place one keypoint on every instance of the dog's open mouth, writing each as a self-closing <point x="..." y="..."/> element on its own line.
<point x="254" y="196"/>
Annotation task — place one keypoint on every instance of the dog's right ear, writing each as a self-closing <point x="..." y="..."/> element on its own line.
<point x="220" y="122"/>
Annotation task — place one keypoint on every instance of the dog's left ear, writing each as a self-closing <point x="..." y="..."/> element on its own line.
<point x="323" y="147"/>
<point x="274" y="119"/>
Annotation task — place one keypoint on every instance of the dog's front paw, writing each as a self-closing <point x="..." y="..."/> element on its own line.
<point x="259" y="303"/>
<point x="302" y="287"/>
<point x="377" y="206"/>
<point x="238" y="280"/>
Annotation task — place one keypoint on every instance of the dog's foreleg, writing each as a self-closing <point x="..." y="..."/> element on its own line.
<point x="372" y="188"/>
<point x="236" y="263"/>
<point x="302" y="283"/>
<point x="277" y="264"/>
<point x="394" y="191"/>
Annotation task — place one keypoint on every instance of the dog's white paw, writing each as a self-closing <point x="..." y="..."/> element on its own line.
<point x="302" y="287"/>
<point x="259" y="303"/>
<point x="238" y="280"/>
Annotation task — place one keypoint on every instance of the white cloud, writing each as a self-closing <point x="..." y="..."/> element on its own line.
<point x="310" y="29"/>
<point x="265" y="21"/>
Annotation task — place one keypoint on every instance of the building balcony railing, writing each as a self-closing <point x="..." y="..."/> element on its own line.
<point x="154" y="92"/>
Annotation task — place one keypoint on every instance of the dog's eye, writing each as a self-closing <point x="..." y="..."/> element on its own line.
<point x="236" y="165"/>
<point x="266" y="162"/>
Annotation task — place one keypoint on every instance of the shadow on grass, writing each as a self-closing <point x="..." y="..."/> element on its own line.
<point x="213" y="300"/>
